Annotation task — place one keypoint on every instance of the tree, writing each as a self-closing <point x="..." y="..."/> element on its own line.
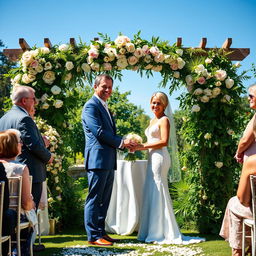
<point x="5" y="85"/>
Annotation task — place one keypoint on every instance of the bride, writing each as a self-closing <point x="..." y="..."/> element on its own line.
<point x="158" y="223"/>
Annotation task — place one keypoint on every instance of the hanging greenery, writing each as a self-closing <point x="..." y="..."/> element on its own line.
<point x="212" y="102"/>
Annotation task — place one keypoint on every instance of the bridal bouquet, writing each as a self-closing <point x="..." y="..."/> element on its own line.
<point x="134" y="137"/>
<point x="131" y="156"/>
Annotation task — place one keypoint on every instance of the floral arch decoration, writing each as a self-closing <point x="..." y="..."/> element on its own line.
<point x="212" y="103"/>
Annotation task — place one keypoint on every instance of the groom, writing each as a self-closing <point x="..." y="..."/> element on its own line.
<point x="100" y="159"/>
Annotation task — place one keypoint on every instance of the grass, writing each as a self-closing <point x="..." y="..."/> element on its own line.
<point x="214" y="246"/>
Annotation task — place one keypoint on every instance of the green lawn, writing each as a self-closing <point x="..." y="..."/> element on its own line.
<point x="55" y="245"/>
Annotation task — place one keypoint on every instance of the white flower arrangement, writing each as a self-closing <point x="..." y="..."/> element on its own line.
<point x="134" y="137"/>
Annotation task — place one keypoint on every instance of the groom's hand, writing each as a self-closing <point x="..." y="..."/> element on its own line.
<point x="130" y="144"/>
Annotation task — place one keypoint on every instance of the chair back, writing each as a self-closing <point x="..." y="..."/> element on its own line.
<point x="2" y="183"/>
<point x="253" y="190"/>
<point x="15" y="185"/>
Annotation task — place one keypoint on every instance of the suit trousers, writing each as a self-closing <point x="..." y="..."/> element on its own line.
<point x="100" y="183"/>
<point x="37" y="188"/>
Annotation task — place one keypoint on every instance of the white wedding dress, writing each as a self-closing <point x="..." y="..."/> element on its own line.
<point x="158" y="223"/>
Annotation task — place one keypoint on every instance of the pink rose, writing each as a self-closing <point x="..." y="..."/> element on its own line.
<point x="201" y="80"/>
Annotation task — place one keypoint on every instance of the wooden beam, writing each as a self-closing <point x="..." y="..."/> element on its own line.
<point x="72" y="42"/>
<point x="179" y="41"/>
<point x="23" y="44"/>
<point x="203" y="43"/>
<point x="227" y="43"/>
<point x="13" y="54"/>
<point x="47" y="43"/>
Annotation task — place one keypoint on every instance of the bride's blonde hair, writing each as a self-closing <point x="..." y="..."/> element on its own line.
<point x="162" y="97"/>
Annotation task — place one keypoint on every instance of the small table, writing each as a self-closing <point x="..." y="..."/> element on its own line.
<point x="123" y="215"/>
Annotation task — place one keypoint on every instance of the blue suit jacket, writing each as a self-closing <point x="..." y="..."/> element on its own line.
<point x="101" y="140"/>
<point x="34" y="153"/>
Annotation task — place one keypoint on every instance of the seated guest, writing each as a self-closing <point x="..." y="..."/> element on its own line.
<point x="9" y="216"/>
<point x="10" y="147"/>
<point x="239" y="206"/>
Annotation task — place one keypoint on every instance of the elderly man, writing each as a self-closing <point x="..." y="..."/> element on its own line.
<point x="34" y="152"/>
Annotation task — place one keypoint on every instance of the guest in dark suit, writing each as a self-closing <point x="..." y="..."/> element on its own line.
<point x="100" y="159"/>
<point x="34" y="152"/>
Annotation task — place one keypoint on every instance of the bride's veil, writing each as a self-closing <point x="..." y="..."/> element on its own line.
<point x="174" y="171"/>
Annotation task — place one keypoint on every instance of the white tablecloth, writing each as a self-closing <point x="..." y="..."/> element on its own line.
<point x="126" y="200"/>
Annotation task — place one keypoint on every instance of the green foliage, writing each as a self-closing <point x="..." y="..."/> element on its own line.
<point x="5" y="85"/>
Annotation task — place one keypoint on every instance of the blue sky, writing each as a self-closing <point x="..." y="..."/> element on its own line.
<point x="61" y="19"/>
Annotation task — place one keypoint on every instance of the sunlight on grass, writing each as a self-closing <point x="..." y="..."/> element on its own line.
<point x="57" y="245"/>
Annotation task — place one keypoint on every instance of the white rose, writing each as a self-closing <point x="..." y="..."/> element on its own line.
<point x="229" y="83"/>
<point x="27" y="58"/>
<point x="27" y="78"/>
<point x="132" y="60"/>
<point x="64" y="47"/>
<point x="176" y="74"/>
<point x="44" y="50"/>
<point x="50" y="199"/>
<point x="230" y="132"/>
<point x="44" y="97"/>
<point x="189" y="80"/>
<point x="226" y="98"/>
<point x="184" y="168"/>
<point x="205" y="99"/>
<point x="216" y="92"/>
<point x="179" y="52"/>
<point x="58" y="103"/>
<point x="55" y="90"/>
<point x="221" y="74"/>
<point x="198" y="91"/>
<point x="157" y="68"/>
<point x="122" y="41"/>
<point x="159" y="58"/>
<point x="138" y="53"/>
<point x="181" y="63"/>
<point x="208" y="60"/>
<point x="154" y="50"/>
<point x="56" y="179"/>
<point x="49" y="77"/>
<point x="207" y="136"/>
<point x="59" y="198"/>
<point x="31" y="71"/>
<point x="147" y="58"/>
<point x="68" y="77"/>
<point x="149" y="66"/>
<point x="107" y="66"/>
<point x="208" y="92"/>
<point x="86" y="67"/>
<point x="58" y="188"/>
<point x="218" y="164"/>
<point x="122" y="63"/>
<point x="216" y="143"/>
<point x="45" y="106"/>
<point x="199" y="69"/>
<point x="195" y="108"/>
<point x="39" y="68"/>
<point x="122" y="51"/>
<point x="47" y="66"/>
<point x="69" y="65"/>
<point x="95" y="66"/>
<point x="218" y="83"/>
<point x="34" y="52"/>
<point x="145" y="49"/>
<point x="130" y="47"/>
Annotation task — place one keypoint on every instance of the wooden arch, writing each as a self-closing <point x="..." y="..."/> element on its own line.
<point x="234" y="54"/>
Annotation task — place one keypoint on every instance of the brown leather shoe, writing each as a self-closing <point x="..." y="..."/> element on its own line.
<point x="110" y="239"/>
<point x="101" y="242"/>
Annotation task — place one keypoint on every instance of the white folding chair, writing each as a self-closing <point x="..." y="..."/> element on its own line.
<point x="15" y="188"/>
<point x="251" y="223"/>
<point x="3" y="238"/>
